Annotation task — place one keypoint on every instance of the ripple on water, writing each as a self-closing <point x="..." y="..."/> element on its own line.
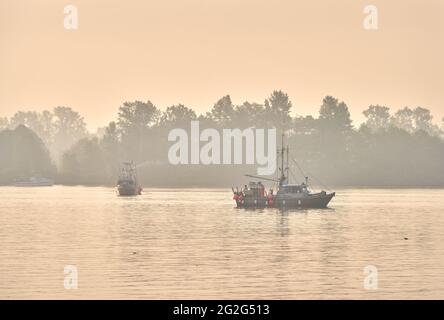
<point x="192" y="244"/>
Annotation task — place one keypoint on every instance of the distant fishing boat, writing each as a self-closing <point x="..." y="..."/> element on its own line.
<point x="128" y="184"/>
<point x="34" y="182"/>
<point x="287" y="196"/>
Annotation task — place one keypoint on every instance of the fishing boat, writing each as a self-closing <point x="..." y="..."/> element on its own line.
<point x="34" y="182"/>
<point x="128" y="184"/>
<point x="288" y="196"/>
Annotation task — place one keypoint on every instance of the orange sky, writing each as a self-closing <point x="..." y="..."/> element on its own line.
<point x="195" y="51"/>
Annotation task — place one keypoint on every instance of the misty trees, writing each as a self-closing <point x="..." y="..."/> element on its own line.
<point x="38" y="132"/>
<point x="334" y="116"/>
<point x="40" y="123"/>
<point x="400" y="148"/>
<point x="177" y="116"/>
<point x="23" y="155"/>
<point x="388" y="149"/>
<point x="395" y="157"/>
<point x="58" y="129"/>
<point x="135" y="122"/>
<point x="68" y="128"/>
<point x="335" y="127"/>
<point x="423" y="122"/>
<point x="407" y="119"/>
<point x="223" y="113"/>
<point x="324" y="144"/>
<point x="250" y="114"/>
<point x="84" y="164"/>
<point x="441" y="134"/>
<point x="93" y="161"/>
<point x="404" y="151"/>
<point x="378" y="117"/>
<point x="111" y="148"/>
<point x="413" y="120"/>
<point x="403" y="119"/>
<point x="138" y="135"/>
<point x="277" y="110"/>
<point x="135" y="117"/>
<point x="423" y="119"/>
<point x="4" y="123"/>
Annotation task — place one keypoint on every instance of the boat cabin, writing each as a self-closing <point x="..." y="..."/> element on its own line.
<point x="255" y="189"/>
<point x="293" y="188"/>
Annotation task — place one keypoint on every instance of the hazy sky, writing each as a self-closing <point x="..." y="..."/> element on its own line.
<point x="195" y="51"/>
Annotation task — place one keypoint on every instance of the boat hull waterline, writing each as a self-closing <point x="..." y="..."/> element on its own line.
<point x="128" y="190"/>
<point x="34" y="182"/>
<point x="312" y="201"/>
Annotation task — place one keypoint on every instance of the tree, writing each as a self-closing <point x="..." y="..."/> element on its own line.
<point x="378" y="117"/>
<point x="304" y="125"/>
<point x="222" y="112"/>
<point x="135" y="123"/>
<point x="135" y="117"/>
<point x="178" y="116"/>
<point x="23" y="155"/>
<point x="249" y="115"/>
<point x="423" y="119"/>
<point x="277" y="110"/>
<point x="333" y="138"/>
<point x="110" y="145"/>
<point x="305" y="141"/>
<point x="4" y="123"/>
<point x="59" y="129"/>
<point x="40" y="123"/>
<point x="46" y="119"/>
<point x="111" y="135"/>
<point x="334" y="115"/>
<point x="69" y="127"/>
<point x="403" y="119"/>
<point x="442" y="129"/>
<point x="25" y="118"/>
<point x="84" y="164"/>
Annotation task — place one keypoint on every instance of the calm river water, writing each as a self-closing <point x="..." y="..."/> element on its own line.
<point x="192" y="244"/>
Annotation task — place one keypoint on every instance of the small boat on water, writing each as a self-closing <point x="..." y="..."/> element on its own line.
<point x="34" y="182"/>
<point x="288" y="196"/>
<point x="127" y="184"/>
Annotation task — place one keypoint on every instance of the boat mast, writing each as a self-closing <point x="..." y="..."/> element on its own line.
<point x="282" y="178"/>
<point x="287" y="167"/>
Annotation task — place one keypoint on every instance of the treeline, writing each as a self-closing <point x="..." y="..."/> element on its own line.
<point x="23" y="155"/>
<point x="59" y="128"/>
<point x="402" y="148"/>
